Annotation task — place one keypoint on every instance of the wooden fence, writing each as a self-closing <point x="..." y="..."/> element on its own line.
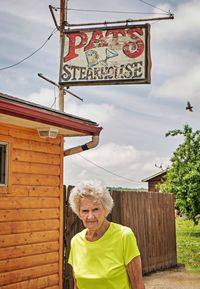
<point x="152" y="218"/>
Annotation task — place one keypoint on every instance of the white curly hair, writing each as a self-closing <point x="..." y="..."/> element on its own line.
<point x="94" y="189"/>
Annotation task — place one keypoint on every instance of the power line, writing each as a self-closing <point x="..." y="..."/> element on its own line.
<point x="108" y="171"/>
<point x="54" y="98"/>
<point x="117" y="11"/>
<point x="113" y="11"/>
<point x="154" y="6"/>
<point x="29" y="56"/>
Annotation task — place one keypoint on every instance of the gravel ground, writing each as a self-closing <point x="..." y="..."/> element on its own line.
<point x="172" y="279"/>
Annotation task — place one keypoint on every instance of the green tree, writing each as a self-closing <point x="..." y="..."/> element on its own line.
<point x="183" y="178"/>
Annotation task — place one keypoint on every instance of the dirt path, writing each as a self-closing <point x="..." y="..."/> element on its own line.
<point x="172" y="279"/>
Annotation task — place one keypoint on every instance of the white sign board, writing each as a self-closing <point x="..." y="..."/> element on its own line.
<point x="117" y="55"/>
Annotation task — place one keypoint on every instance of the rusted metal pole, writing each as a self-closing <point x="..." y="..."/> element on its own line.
<point x="47" y="79"/>
<point x="63" y="18"/>
<point x="53" y="16"/>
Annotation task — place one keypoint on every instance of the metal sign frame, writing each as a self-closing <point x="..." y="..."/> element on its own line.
<point x="106" y="56"/>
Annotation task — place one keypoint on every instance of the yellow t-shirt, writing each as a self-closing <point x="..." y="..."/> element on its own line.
<point x="101" y="264"/>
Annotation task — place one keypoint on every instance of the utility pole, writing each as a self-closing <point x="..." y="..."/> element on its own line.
<point x="63" y="18"/>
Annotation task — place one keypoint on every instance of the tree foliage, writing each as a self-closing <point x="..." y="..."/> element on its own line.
<point x="183" y="178"/>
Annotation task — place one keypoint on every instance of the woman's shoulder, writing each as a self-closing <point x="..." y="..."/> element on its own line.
<point x="79" y="236"/>
<point x="124" y="230"/>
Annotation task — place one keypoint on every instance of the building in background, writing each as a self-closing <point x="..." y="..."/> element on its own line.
<point x="154" y="180"/>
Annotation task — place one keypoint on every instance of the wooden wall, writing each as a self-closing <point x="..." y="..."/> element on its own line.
<point x="154" y="182"/>
<point x="31" y="211"/>
<point x="152" y="185"/>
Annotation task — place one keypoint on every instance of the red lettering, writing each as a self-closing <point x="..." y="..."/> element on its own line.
<point x="135" y="48"/>
<point x="97" y="40"/>
<point x="73" y="39"/>
<point x="115" y="33"/>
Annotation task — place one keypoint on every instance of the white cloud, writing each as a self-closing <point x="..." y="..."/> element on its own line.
<point x="175" y="51"/>
<point x="185" y="25"/>
<point x="178" y="37"/>
<point x="182" y="86"/>
<point x="34" y="11"/>
<point x="100" y="113"/>
<point x="44" y="97"/>
<point x="125" y="162"/>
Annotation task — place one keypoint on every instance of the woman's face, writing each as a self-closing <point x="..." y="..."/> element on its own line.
<point x="92" y="213"/>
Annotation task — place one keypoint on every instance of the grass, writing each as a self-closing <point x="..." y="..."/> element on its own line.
<point x="188" y="244"/>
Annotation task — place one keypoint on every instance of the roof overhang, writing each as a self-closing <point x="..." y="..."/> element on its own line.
<point x="160" y="174"/>
<point x="29" y="115"/>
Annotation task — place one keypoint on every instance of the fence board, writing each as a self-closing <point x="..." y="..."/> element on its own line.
<point x="151" y="217"/>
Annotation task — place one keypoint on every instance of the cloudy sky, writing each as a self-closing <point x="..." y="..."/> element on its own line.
<point x="134" y="118"/>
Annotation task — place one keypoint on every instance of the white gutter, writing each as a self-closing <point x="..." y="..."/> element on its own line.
<point x="75" y="150"/>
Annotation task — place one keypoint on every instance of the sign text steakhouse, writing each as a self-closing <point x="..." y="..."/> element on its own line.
<point x="128" y="71"/>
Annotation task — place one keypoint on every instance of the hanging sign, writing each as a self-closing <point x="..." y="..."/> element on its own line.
<point x="117" y="55"/>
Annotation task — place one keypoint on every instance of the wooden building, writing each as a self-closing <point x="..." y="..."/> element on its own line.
<point x="31" y="191"/>
<point x="154" y="180"/>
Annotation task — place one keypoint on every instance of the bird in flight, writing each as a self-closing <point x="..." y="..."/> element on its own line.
<point x="189" y="107"/>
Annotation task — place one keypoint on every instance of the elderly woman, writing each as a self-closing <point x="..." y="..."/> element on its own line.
<point x="105" y="254"/>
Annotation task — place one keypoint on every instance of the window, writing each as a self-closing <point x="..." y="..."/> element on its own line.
<point x="3" y="163"/>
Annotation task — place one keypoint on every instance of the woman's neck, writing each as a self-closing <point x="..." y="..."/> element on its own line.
<point x="94" y="235"/>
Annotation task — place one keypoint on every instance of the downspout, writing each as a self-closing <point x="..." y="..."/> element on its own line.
<point x="89" y="145"/>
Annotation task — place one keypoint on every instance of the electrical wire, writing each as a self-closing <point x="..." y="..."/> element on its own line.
<point x="54" y="98"/>
<point x="117" y="11"/>
<point x="29" y="56"/>
<point x="108" y="171"/>
<point x="112" y="11"/>
<point x="154" y="6"/>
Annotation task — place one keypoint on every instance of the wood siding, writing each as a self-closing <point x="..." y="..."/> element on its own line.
<point x="152" y="183"/>
<point x="152" y="218"/>
<point x="31" y="206"/>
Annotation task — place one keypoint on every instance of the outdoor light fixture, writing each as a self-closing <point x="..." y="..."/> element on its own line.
<point x="47" y="132"/>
